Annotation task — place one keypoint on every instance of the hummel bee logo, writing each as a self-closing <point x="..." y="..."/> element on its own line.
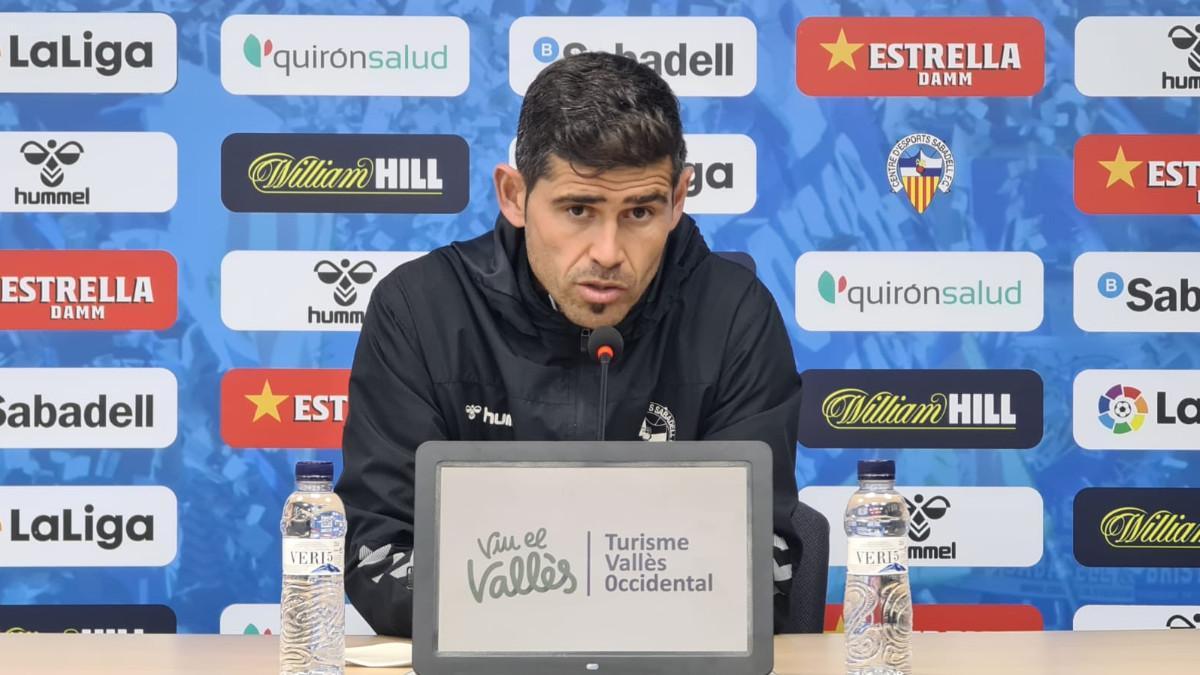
<point x="496" y="419"/>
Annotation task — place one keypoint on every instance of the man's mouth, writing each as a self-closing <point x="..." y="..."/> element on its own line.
<point x="600" y="292"/>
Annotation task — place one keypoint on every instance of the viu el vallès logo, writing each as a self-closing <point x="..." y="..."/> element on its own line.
<point x="1138" y="292"/>
<point x="1160" y="56"/>
<point x="342" y="55"/>
<point x="87" y="526"/>
<point x="925" y="291"/>
<point x="88" y="408"/>
<point x="1137" y="409"/>
<point x="88" y="171"/>
<point x="697" y="56"/>
<point x="78" y="52"/>
<point x="943" y="524"/>
<point x="725" y="172"/>
<point x="920" y="56"/>
<point x="302" y="290"/>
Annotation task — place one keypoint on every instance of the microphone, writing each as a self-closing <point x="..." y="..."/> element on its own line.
<point x="605" y="345"/>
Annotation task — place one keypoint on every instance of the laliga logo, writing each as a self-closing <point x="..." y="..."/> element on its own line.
<point x="1123" y="409"/>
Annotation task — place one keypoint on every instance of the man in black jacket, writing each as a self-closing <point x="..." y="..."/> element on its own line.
<point x="484" y="339"/>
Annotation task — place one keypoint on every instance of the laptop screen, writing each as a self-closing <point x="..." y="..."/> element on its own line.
<point x="561" y="558"/>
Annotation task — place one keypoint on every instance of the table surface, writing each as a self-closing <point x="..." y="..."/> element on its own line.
<point x="1050" y="653"/>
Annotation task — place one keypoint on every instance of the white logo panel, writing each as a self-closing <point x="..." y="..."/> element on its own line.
<point x="126" y="526"/>
<point x="79" y="52"/>
<point x="339" y="55"/>
<point x="302" y="290"/>
<point x="926" y="291"/>
<point x="1138" y="292"/>
<point x="726" y="172"/>
<point x="944" y="524"/>
<point x="1138" y="56"/>
<point x="88" y="407"/>
<point x="1137" y="409"/>
<point x="1137" y="617"/>
<point x="697" y="56"/>
<point x="88" y="171"/>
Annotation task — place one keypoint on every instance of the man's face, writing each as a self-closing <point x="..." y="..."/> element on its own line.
<point x="595" y="241"/>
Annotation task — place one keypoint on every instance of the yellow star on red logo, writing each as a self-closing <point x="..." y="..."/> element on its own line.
<point x="841" y="51"/>
<point x="266" y="402"/>
<point x="1120" y="169"/>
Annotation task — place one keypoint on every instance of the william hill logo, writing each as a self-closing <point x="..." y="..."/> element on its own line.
<point x="87" y="290"/>
<point x="284" y="408"/>
<point x="1137" y="527"/>
<point x="1133" y="527"/>
<point x="363" y="173"/>
<point x="926" y="56"/>
<point x="923" y="408"/>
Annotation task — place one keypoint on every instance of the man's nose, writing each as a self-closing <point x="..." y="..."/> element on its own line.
<point x="606" y="250"/>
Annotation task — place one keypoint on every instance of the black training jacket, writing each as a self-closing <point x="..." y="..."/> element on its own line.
<point x="460" y="344"/>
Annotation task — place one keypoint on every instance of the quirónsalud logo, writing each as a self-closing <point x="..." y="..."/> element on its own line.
<point x="255" y="51"/>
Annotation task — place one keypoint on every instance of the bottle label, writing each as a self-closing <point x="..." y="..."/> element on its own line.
<point x="313" y="557"/>
<point x="877" y="556"/>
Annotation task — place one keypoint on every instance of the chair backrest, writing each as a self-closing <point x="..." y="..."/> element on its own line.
<point x="809" y="582"/>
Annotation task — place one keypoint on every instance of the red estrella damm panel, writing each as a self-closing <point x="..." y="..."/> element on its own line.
<point x="949" y="618"/>
<point x="284" y="408"/>
<point x="921" y="56"/>
<point x="1137" y="174"/>
<point x="88" y="290"/>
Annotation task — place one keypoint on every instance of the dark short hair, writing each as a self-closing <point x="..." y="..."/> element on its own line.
<point x="598" y="111"/>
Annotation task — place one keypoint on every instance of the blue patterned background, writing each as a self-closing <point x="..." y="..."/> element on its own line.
<point x="821" y="187"/>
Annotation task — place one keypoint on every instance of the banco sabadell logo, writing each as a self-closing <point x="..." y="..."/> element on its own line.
<point x="1123" y="409"/>
<point x="829" y="287"/>
<point x="545" y="49"/>
<point x="1111" y="285"/>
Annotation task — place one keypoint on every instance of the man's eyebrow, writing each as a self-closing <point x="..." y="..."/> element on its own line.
<point x="578" y="199"/>
<point x="648" y="198"/>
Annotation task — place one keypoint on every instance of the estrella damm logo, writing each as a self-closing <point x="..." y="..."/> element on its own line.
<point x="921" y="409"/>
<point x="920" y="56"/>
<point x="1138" y="174"/>
<point x="88" y="290"/>
<point x="345" y="173"/>
<point x="284" y="408"/>
<point x="1137" y="527"/>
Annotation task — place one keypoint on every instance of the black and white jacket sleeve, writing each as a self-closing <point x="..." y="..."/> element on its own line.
<point x="759" y="400"/>
<point x="392" y="411"/>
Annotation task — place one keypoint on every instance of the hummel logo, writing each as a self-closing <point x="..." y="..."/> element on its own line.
<point x="493" y="418"/>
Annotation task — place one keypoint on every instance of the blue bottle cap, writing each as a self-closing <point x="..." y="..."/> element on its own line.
<point x="876" y="469"/>
<point x="314" y="470"/>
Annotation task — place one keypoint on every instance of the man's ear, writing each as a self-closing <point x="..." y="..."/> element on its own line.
<point x="681" y="189"/>
<point x="510" y="192"/>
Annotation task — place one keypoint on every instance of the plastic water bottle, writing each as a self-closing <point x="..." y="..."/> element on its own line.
<point x="877" y="610"/>
<point x="312" y="608"/>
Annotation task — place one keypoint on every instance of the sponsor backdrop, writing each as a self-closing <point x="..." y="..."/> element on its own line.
<point x="979" y="222"/>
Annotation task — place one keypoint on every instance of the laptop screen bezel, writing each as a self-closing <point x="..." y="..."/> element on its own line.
<point x="756" y="455"/>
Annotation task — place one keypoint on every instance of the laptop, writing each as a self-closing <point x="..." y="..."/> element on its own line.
<point x="628" y="558"/>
